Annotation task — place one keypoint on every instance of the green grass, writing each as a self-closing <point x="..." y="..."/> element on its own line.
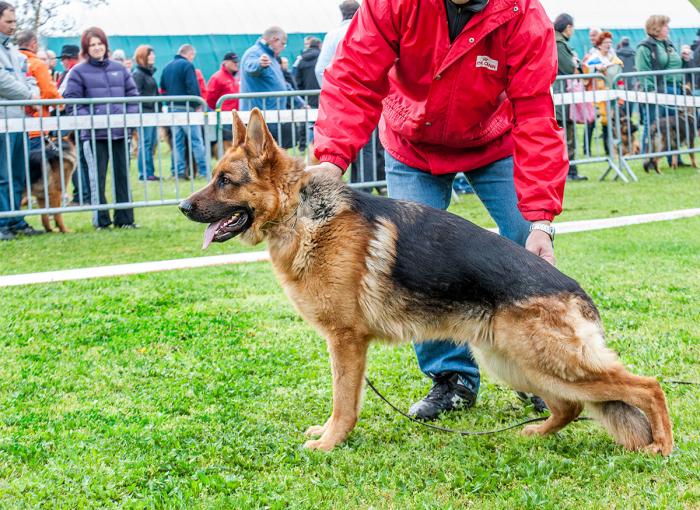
<point x="191" y="389"/>
<point x="166" y="234"/>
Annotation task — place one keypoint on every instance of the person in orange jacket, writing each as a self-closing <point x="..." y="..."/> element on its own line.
<point x="28" y="43"/>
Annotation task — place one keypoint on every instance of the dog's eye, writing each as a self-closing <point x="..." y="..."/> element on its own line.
<point x="224" y="181"/>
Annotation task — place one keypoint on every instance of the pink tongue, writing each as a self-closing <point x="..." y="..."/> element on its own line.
<point x="210" y="232"/>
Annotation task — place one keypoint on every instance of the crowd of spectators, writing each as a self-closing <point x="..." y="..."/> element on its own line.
<point x="655" y="53"/>
<point x="92" y="70"/>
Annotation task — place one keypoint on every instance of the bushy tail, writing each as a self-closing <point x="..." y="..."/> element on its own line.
<point x="625" y="423"/>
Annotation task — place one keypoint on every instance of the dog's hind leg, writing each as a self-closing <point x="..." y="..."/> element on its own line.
<point x="612" y="399"/>
<point x="348" y="352"/>
<point x="563" y="413"/>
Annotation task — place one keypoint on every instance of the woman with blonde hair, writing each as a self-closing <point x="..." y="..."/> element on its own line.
<point x="657" y="53"/>
<point x="145" y="59"/>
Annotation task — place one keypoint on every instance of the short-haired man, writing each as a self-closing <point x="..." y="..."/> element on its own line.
<point x="14" y="85"/>
<point x="567" y="63"/>
<point x="28" y="43"/>
<point x="261" y="71"/>
<point x="179" y="79"/>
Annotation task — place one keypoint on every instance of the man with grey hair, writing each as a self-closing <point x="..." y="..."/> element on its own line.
<point x="261" y="72"/>
<point x="14" y="85"/>
<point x="179" y="79"/>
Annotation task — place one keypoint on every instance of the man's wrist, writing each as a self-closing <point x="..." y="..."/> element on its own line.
<point x="543" y="226"/>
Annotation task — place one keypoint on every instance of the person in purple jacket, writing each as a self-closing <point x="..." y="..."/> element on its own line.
<point x="98" y="76"/>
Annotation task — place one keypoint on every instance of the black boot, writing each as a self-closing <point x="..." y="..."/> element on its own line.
<point x="448" y="393"/>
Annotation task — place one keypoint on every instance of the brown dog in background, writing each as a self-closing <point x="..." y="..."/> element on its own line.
<point x="360" y="267"/>
<point x="49" y="179"/>
<point x="670" y="133"/>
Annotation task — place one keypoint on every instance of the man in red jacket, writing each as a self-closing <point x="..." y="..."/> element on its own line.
<point x="455" y="85"/>
<point x="224" y="82"/>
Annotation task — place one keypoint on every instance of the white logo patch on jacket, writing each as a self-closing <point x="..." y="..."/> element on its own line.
<point x="487" y="62"/>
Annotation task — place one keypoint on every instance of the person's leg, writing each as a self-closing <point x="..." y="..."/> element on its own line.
<point x="495" y="187"/>
<point x="102" y="162"/>
<point x="19" y="178"/>
<point x="120" y="167"/>
<point x="9" y="183"/>
<point x="435" y="358"/>
<point x="199" y="153"/>
<point x="151" y="135"/>
<point x="179" y="161"/>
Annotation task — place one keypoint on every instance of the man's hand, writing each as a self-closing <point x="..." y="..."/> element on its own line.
<point x="326" y="168"/>
<point x="540" y="244"/>
<point x="264" y="60"/>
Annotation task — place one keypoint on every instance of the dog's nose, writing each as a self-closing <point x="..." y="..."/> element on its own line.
<point x="186" y="206"/>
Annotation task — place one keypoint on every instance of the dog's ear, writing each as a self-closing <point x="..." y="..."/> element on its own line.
<point x="258" y="139"/>
<point x="238" y="130"/>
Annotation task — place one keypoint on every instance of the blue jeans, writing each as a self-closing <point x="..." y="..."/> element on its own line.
<point x="494" y="186"/>
<point x="12" y="146"/>
<point x="199" y="154"/>
<point x="147" y="140"/>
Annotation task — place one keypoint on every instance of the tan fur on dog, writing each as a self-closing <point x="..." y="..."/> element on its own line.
<point x="339" y="270"/>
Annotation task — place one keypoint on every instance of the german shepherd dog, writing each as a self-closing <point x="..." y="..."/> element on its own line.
<point x="360" y="267"/>
<point x="669" y="133"/>
<point x="48" y="179"/>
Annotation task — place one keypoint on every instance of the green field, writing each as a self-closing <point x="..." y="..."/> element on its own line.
<point x="192" y="389"/>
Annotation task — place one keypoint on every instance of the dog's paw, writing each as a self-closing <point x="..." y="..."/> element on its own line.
<point x="658" y="448"/>
<point x="319" y="444"/>
<point x="531" y="430"/>
<point x="315" y="430"/>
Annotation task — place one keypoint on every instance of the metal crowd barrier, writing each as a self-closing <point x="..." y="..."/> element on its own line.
<point x="73" y="142"/>
<point x="635" y="116"/>
<point x="581" y="103"/>
<point x="293" y="129"/>
<point x="658" y="116"/>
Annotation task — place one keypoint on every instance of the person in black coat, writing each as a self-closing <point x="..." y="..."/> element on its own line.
<point x="145" y="59"/>
<point x="304" y="68"/>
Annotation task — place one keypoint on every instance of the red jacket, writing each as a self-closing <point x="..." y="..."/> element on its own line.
<point x="449" y="107"/>
<point x="222" y="82"/>
<point x="202" y="83"/>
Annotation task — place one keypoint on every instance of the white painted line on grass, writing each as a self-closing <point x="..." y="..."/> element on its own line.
<point x="129" y="269"/>
<point x="241" y="258"/>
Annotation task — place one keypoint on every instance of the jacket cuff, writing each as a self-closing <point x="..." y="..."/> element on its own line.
<point x="336" y="160"/>
<point x="538" y="216"/>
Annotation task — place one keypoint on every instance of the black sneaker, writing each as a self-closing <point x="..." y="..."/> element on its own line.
<point x="537" y="402"/>
<point x="448" y="393"/>
<point x="128" y="226"/>
<point x="576" y="177"/>
<point x="6" y="235"/>
<point x="26" y="231"/>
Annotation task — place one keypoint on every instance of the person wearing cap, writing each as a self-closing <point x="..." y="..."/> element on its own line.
<point x="70" y="55"/>
<point x="224" y="81"/>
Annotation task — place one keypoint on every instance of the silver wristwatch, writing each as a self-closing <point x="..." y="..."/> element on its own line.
<point x="544" y="227"/>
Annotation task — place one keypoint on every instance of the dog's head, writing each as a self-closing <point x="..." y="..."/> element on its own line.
<point x="248" y="187"/>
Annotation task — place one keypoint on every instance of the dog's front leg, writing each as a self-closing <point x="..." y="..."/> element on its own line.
<point x="348" y="352"/>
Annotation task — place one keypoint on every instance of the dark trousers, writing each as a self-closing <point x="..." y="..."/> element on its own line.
<point x="120" y="167"/>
